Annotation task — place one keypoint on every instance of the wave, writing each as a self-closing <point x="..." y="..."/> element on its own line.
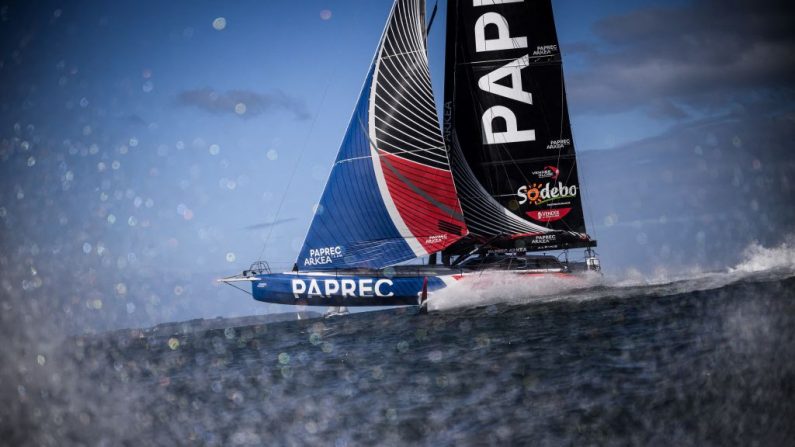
<point x="760" y="259"/>
<point x="759" y="262"/>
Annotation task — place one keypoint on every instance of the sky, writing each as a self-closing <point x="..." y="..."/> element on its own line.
<point x="148" y="148"/>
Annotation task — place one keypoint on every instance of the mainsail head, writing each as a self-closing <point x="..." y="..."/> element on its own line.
<point x="507" y="124"/>
<point x="390" y="196"/>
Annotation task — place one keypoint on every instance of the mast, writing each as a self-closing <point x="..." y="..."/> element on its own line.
<point x="506" y="125"/>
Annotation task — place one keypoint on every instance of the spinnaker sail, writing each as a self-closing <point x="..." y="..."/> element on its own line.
<point x="390" y="196"/>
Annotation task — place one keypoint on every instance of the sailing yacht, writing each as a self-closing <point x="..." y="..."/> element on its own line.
<point x="488" y="190"/>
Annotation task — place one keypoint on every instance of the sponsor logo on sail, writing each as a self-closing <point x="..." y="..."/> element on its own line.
<point x="550" y="215"/>
<point x="436" y="238"/>
<point x="322" y="256"/>
<point x="545" y="50"/>
<point x="541" y="193"/>
<point x="547" y="196"/>
<point x="544" y="239"/>
<point x="559" y="144"/>
<point x="548" y="172"/>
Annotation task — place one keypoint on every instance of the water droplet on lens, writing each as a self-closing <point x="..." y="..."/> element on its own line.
<point x="219" y="23"/>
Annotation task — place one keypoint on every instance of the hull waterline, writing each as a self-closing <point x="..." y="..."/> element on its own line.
<point x="330" y="289"/>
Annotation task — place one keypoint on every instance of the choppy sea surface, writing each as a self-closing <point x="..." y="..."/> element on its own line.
<point x="707" y="359"/>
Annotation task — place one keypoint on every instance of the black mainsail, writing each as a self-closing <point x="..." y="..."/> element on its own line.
<point x="506" y="125"/>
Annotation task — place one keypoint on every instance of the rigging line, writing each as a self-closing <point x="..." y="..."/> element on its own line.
<point x="239" y="288"/>
<point x="297" y="162"/>
<point x="433" y="16"/>
<point x="563" y="109"/>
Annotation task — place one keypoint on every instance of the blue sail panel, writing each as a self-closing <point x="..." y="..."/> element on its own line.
<point x="352" y="227"/>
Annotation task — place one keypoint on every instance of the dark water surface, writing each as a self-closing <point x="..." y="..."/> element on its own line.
<point x="713" y="367"/>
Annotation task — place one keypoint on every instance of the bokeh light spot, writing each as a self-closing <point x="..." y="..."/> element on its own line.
<point x="219" y="23"/>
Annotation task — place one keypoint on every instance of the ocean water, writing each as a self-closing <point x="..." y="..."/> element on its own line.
<point x="703" y="359"/>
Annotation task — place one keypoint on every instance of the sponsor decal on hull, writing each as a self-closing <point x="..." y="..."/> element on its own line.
<point x="326" y="288"/>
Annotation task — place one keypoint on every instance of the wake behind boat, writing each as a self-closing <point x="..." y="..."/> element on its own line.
<point x="499" y="184"/>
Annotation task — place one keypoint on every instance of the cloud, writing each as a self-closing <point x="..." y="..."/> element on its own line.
<point x="696" y="194"/>
<point x="707" y="56"/>
<point x="243" y="103"/>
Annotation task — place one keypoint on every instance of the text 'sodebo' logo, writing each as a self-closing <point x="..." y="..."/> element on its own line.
<point x="539" y="194"/>
<point x="542" y="193"/>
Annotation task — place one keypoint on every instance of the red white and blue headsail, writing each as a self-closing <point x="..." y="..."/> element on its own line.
<point x="390" y="196"/>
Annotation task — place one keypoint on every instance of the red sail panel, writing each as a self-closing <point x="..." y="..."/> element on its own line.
<point x="426" y="199"/>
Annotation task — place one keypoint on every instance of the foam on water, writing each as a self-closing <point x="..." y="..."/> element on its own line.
<point x="761" y="259"/>
<point x="503" y="287"/>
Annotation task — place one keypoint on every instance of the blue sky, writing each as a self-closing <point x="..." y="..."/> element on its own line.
<point x="114" y="158"/>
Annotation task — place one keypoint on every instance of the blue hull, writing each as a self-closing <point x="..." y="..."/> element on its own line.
<point x="341" y="290"/>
